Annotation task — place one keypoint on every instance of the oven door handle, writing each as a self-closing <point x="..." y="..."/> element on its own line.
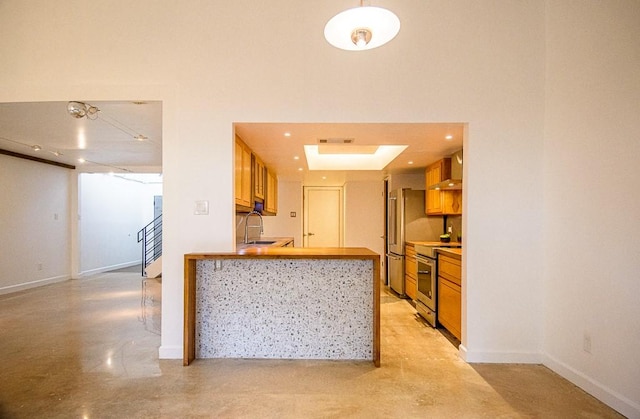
<point x="424" y="272"/>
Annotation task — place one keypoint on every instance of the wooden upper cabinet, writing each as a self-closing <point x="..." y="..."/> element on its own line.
<point x="242" y="174"/>
<point x="271" y="200"/>
<point x="258" y="178"/>
<point x="254" y="181"/>
<point x="441" y="202"/>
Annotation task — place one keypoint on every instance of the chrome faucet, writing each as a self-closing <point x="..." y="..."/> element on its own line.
<point x="247" y="226"/>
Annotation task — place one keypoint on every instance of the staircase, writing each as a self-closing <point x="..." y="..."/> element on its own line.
<point x="151" y="238"/>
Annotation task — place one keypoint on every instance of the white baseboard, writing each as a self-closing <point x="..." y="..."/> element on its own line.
<point x="33" y="284"/>
<point x="109" y="268"/>
<point x="499" y="357"/>
<point x="170" y="352"/>
<point x="627" y="407"/>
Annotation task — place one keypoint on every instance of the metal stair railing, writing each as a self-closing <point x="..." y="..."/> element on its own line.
<point x="151" y="238"/>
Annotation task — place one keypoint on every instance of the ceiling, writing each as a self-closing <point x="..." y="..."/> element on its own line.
<point x="427" y="142"/>
<point x="107" y="142"/>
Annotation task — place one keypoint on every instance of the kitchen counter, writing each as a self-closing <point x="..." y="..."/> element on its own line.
<point x="283" y="303"/>
<point x="435" y="243"/>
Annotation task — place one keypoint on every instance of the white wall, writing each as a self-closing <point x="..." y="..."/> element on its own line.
<point x="364" y="215"/>
<point x="413" y="181"/>
<point x="35" y="236"/>
<point x="485" y="66"/>
<point x="111" y="212"/>
<point x="592" y="198"/>
<point x="477" y="62"/>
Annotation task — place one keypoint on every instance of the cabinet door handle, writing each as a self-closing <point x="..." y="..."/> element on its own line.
<point x="311" y="234"/>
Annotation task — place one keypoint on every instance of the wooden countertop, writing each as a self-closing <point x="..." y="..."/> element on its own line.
<point x="436" y="244"/>
<point x="455" y="252"/>
<point x="270" y="252"/>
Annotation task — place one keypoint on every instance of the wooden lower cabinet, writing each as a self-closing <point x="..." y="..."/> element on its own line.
<point x="450" y="294"/>
<point x="410" y="272"/>
<point x="450" y="306"/>
<point x="410" y="287"/>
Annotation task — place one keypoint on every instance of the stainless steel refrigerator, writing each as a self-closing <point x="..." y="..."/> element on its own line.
<point x="406" y="221"/>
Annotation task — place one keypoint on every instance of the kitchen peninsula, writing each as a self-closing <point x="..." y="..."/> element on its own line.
<point x="283" y="303"/>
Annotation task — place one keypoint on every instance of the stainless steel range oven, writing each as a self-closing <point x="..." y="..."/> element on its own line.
<point x="427" y="295"/>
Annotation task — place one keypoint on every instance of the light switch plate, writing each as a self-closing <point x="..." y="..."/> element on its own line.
<point x="292" y="214"/>
<point x="201" y="208"/>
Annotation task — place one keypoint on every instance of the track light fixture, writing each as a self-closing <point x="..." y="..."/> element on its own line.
<point x="80" y="110"/>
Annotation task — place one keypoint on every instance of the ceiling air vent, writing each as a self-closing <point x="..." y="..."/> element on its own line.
<point x="336" y="140"/>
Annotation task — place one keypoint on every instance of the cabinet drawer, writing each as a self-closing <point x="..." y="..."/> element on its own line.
<point x="411" y="266"/>
<point x="410" y="287"/>
<point x="450" y="268"/>
<point x="409" y="250"/>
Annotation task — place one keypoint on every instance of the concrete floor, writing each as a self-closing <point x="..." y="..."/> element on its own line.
<point x="88" y="349"/>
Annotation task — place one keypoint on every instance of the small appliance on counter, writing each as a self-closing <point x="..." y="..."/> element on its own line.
<point x="427" y="294"/>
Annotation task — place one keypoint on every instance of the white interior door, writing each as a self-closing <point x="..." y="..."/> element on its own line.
<point x="323" y="217"/>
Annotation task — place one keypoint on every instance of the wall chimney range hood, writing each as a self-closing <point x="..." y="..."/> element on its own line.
<point x="455" y="182"/>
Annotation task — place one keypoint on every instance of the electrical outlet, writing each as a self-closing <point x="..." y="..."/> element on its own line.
<point x="449" y="229"/>
<point x="586" y="343"/>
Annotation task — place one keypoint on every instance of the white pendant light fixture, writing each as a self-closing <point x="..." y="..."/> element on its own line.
<point x="362" y="28"/>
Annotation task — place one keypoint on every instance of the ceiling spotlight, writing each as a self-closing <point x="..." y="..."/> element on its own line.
<point x="362" y="28"/>
<point x="56" y="153"/>
<point x="287" y="134"/>
<point x="79" y="110"/>
<point x="448" y="137"/>
<point x="36" y="147"/>
<point x="81" y="160"/>
<point x="140" y="137"/>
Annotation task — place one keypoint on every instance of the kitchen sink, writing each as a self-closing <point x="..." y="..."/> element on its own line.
<point x="260" y="242"/>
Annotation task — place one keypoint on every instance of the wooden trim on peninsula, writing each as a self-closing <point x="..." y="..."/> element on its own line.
<point x="376" y="311"/>
<point x="189" y="344"/>
<point x="190" y="260"/>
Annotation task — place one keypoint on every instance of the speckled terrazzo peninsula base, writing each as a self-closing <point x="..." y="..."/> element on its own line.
<point x="284" y="308"/>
